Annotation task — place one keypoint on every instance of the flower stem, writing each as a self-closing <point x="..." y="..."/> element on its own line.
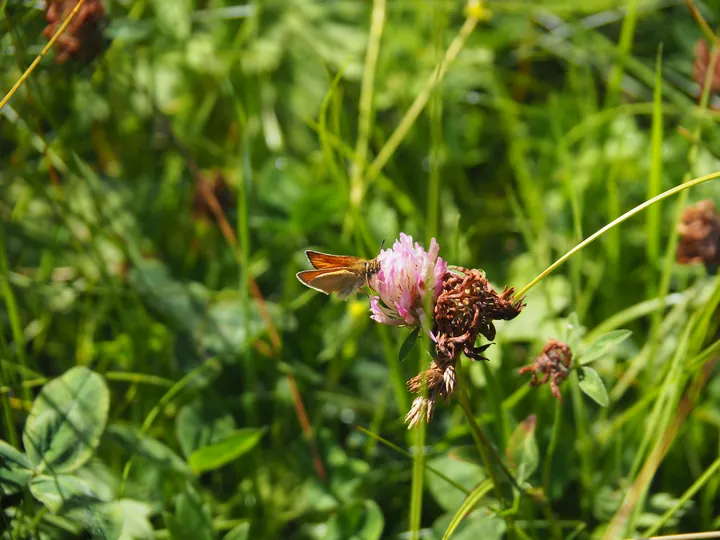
<point x="547" y="467"/>
<point x="612" y="224"/>
<point x="481" y="441"/>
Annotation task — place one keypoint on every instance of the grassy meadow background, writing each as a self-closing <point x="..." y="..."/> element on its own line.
<point x="155" y="204"/>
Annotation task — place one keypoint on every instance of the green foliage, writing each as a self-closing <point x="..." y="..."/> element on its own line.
<point x="72" y="498"/>
<point x="408" y="344"/>
<point x="66" y="421"/>
<point x="136" y="442"/>
<point x="591" y="383"/>
<point x="61" y="434"/>
<point x="213" y="456"/>
<point x="192" y="517"/>
<point x="14" y="469"/>
<point x="164" y="374"/>
<point x="522" y="450"/>
<point x="359" y="521"/>
<point x="479" y="524"/>
<point x="602" y="345"/>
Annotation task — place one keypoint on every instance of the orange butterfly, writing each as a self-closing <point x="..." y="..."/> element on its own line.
<point x="341" y="274"/>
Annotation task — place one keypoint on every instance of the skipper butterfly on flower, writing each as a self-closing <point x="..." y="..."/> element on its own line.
<point x="341" y="274"/>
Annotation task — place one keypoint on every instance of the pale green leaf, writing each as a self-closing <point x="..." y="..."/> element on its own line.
<point x="591" y="383"/>
<point x="136" y="442"/>
<point x="603" y="345"/>
<point x="356" y="521"/>
<point x="66" y="421"/>
<point x="466" y="473"/>
<point x="522" y="450"/>
<point x="14" y="468"/>
<point x="408" y="344"/>
<point x="192" y="519"/>
<point x="200" y="424"/>
<point x="221" y="453"/>
<point x="240" y="532"/>
<point x="137" y="524"/>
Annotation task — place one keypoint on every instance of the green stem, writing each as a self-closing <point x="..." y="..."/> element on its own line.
<point x="436" y="140"/>
<point x="582" y="446"/>
<point x="699" y="483"/>
<point x="409" y="455"/>
<point x="402" y="400"/>
<point x="420" y="101"/>
<point x="652" y="223"/>
<point x="481" y="442"/>
<point x="357" y="188"/>
<point x="500" y="415"/>
<point x="243" y="234"/>
<point x="672" y="242"/>
<point x="210" y="367"/>
<point x="615" y="222"/>
<point x="416" y="489"/>
<point x="19" y="345"/>
<point x="547" y="467"/>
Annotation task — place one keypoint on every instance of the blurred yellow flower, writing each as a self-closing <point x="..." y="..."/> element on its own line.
<point x="357" y="309"/>
<point x="478" y="10"/>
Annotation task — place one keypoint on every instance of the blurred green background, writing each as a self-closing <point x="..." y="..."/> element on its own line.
<point x="155" y="204"/>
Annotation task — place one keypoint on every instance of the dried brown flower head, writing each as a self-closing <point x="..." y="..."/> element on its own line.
<point x="83" y="38"/>
<point x="699" y="231"/>
<point x="703" y="56"/>
<point x="555" y="362"/>
<point x="466" y="307"/>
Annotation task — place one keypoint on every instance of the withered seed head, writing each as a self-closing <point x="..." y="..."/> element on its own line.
<point x="466" y="307"/>
<point x="554" y="362"/>
<point x="83" y="38"/>
<point x="703" y="57"/>
<point x="699" y="231"/>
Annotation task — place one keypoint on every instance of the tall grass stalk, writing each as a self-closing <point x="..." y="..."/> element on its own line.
<point x="13" y="313"/>
<point x="672" y="242"/>
<point x="421" y="100"/>
<point x="708" y="475"/>
<point x="357" y="188"/>
<point x="627" y="215"/>
<point x="613" y="88"/>
<point x="653" y="231"/>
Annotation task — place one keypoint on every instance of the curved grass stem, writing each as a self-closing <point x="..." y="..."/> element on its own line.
<point x="627" y="215"/>
<point x="40" y="56"/>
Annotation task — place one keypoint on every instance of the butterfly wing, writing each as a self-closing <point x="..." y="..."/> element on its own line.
<point x="337" y="280"/>
<point x="323" y="261"/>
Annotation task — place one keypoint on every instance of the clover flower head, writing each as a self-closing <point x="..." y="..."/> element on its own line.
<point x="407" y="275"/>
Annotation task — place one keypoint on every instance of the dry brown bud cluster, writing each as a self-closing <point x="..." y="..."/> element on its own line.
<point x="554" y="362"/>
<point x="83" y="38"/>
<point x="466" y="307"/>
<point x="701" y="64"/>
<point x="699" y="231"/>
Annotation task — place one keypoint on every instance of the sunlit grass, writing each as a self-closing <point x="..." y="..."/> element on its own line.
<point x="514" y="133"/>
